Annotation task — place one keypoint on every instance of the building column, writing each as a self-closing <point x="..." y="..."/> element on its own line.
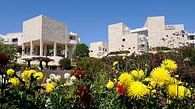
<point x="54" y="49"/>
<point x="23" y="49"/>
<point x="45" y="50"/>
<point x="31" y="48"/>
<point x="66" y="51"/>
<point x="41" y="48"/>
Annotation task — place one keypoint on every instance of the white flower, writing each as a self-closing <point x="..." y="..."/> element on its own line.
<point x="58" y="77"/>
<point x="48" y="102"/>
<point x="66" y="75"/>
<point x="69" y="83"/>
<point x="73" y="78"/>
<point x="52" y="76"/>
<point x="48" y="80"/>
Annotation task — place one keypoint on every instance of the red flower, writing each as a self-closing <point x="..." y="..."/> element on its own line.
<point x="79" y="74"/>
<point x="83" y="96"/>
<point x="4" y="59"/>
<point x="120" y="89"/>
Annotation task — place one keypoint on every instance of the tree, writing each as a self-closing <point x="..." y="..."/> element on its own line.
<point x="10" y="51"/>
<point x="81" y="50"/>
<point x="65" y="63"/>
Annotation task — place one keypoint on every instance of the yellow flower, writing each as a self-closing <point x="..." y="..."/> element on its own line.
<point x="49" y="87"/>
<point x="137" y="90"/>
<point x="137" y="74"/>
<point x="178" y="91"/>
<point x="174" y="81"/>
<point x="10" y="72"/>
<point x="168" y="101"/>
<point x="26" y="74"/>
<point x="169" y="64"/>
<point x="115" y="63"/>
<point x="153" y="91"/>
<point x="125" y="79"/>
<point x="14" y="81"/>
<point x="160" y="76"/>
<point x="147" y="79"/>
<point x="110" y="84"/>
<point x="39" y="75"/>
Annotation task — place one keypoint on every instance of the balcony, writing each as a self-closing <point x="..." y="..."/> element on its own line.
<point x="73" y="42"/>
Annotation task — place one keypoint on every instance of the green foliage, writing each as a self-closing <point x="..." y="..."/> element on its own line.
<point x="65" y="63"/>
<point x="89" y="65"/>
<point x="81" y="50"/>
<point x="9" y="50"/>
<point x="119" y="52"/>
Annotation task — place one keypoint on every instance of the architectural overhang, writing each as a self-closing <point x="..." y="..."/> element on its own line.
<point x="138" y="30"/>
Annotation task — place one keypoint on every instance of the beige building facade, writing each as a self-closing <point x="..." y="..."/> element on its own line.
<point x="44" y="37"/>
<point x="98" y="49"/>
<point x="154" y="33"/>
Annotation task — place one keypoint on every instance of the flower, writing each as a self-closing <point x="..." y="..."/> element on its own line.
<point x="14" y="81"/>
<point x="174" y="80"/>
<point x="115" y="63"/>
<point x="73" y="78"/>
<point x="137" y="74"/>
<point x="178" y="91"/>
<point x="147" y="79"/>
<point x="160" y="76"/>
<point x="169" y="65"/>
<point x="38" y="75"/>
<point x="49" y="87"/>
<point x="110" y="84"/>
<point x="153" y="91"/>
<point x="120" y="89"/>
<point x="10" y="72"/>
<point x="48" y="80"/>
<point x="79" y="73"/>
<point x="125" y="79"/>
<point x="26" y="75"/>
<point x="67" y="75"/>
<point x="55" y="78"/>
<point x="137" y="90"/>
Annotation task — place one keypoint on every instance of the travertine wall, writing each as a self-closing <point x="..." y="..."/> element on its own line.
<point x="42" y="27"/>
<point x="156" y="30"/>
<point x="53" y="30"/>
<point x="115" y="35"/>
<point x="10" y="36"/>
<point x="32" y="29"/>
<point x="98" y="49"/>
<point x="174" y="37"/>
<point x="120" y="38"/>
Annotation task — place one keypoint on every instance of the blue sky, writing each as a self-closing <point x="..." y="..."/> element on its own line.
<point x="90" y="18"/>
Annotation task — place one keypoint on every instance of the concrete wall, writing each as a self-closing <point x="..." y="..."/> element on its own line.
<point x="173" y="36"/>
<point x="8" y="39"/>
<point x="53" y="30"/>
<point x="156" y="27"/>
<point x="32" y="29"/>
<point x="98" y="49"/>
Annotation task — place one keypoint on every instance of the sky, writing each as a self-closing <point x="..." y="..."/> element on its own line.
<point x="90" y="18"/>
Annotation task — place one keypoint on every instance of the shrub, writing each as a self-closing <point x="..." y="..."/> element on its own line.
<point x="65" y="63"/>
<point x="90" y="65"/>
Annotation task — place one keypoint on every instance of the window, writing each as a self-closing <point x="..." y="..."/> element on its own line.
<point x="123" y="39"/>
<point x="15" y="40"/>
<point x="122" y="45"/>
<point x="191" y="37"/>
<point x="72" y="37"/>
<point x="100" y="48"/>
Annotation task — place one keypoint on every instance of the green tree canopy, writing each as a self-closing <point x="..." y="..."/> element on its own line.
<point x="10" y="50"/>
<point x="65" y="63"/>
<point x="81" y="50"/>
